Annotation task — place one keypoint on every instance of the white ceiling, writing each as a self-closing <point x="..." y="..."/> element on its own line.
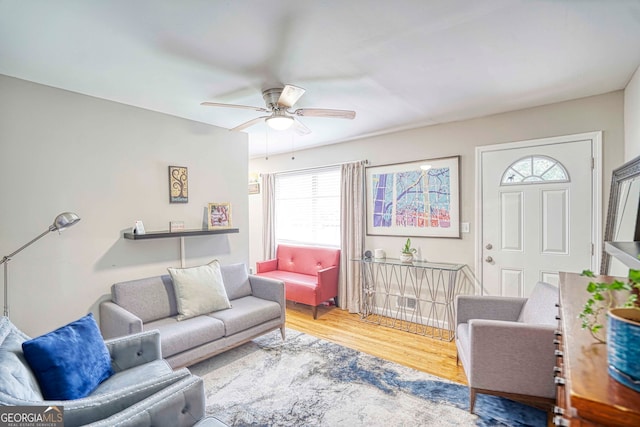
<point x="399" y="64"/>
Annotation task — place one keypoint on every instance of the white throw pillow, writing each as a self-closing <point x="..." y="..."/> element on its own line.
<point x="199" y="290"/>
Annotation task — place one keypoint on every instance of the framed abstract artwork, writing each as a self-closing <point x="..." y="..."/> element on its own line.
<point x="219" y="216"/>
<point x="178" y="184"/>
<point x="420" y="198"/>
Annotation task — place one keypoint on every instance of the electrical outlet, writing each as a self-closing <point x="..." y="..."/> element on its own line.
<point x="464" y="227"/>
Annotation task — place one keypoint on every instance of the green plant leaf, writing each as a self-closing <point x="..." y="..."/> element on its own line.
<point x="587" y="273"/>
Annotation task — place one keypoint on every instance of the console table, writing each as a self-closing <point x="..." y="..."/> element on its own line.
<point x="416" y="297"/>
<point x="586" y="394"/>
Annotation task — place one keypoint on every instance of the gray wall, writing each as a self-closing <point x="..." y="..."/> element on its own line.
<point x="603" y="112"/>
<point x="61" y="151"/>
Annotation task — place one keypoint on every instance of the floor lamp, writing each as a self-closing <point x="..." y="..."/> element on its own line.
<point x="62" y="221"/>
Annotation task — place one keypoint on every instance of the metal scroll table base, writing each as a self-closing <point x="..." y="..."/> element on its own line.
<point x="417" y="297"/>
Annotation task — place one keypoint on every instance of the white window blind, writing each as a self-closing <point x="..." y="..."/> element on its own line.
<point x="307" y="208"/>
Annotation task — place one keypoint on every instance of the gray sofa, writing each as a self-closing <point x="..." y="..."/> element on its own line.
<point x="258" y="306"/>
<point x="144" y="390"/>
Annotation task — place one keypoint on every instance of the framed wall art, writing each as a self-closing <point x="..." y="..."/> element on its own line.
<point x="178" y="184"/>
<point x="219" y="216"/>
<point x="420" y="198"/>
<point x="254" y="188"/>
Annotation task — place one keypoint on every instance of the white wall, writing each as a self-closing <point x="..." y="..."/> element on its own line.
<point x="603" y="112"/>
<point x="632" y="117"/>
<point x="61" y="151"/>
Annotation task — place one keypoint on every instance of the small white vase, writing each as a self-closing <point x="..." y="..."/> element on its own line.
<point x="406" y="257"/>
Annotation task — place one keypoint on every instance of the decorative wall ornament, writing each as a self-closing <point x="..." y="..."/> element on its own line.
<point x="420" y="198"/>
<point x="219" y="216"/>
<point x="254" y="183"/>
<point x="178" y="184"/>
<point x="254" y="188"/>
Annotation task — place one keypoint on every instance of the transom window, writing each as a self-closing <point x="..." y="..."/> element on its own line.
<point x="536" y="169"/>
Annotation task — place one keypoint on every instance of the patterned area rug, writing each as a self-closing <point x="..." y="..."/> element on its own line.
<point x="306" y="381"/>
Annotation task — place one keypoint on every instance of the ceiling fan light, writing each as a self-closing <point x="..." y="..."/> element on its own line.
<point x="280" y="122"/>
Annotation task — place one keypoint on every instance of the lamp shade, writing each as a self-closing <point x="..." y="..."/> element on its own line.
<point x="64" y="220"/>
<point x="280" y="122"/>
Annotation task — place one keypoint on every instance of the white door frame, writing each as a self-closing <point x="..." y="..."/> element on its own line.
<point x="596" y="186"/>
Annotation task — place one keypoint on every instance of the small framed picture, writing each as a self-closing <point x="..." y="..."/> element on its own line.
<point x="254" y="188"/>
<point x="219" y="216"/>
<point x="178" y="184"/>
<point x="176" y="226"/>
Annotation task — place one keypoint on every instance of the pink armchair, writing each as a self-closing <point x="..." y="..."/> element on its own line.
<point x="310" y="274"/>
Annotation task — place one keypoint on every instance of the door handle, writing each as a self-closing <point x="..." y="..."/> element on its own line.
<point x="488" y="259"/>
<point x="489" y="246"/>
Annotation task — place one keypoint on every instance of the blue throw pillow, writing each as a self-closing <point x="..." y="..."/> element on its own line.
<point x="71" y="361"/>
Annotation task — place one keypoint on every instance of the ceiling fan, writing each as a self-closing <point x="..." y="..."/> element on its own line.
<point x="279" y="102"/>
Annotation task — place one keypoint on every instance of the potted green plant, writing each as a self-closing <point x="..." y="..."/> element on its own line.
<point x="623" y="324"/>
<point x="406" y="255"/>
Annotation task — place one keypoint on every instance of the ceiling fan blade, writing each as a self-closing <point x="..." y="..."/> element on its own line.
<point x="323" y="112"/>
<point x="300" y="128"/>
<point x="248" y="124"/>
<point x="290" y="95"/>
<point x="243" y="107"/>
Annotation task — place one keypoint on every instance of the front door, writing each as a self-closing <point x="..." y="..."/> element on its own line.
<point x="538" y="213"/>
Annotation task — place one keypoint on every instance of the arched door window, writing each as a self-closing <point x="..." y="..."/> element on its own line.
<point x="535" y="169"/>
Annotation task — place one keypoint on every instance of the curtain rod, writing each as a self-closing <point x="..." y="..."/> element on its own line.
<point x="365" y="161"/>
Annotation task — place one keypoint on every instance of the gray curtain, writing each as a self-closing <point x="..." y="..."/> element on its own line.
<point x="352" y="235"/>
<point x="268" y="214"/>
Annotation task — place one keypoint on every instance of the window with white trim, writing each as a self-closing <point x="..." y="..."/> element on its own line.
<point x="307" y="207"/>
<point x="535" y="169"/>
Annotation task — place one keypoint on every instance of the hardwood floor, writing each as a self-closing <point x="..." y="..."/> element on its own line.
<point x="415" y="351"/>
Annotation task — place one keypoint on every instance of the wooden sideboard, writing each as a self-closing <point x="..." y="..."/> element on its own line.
<point x="586" y="394"/>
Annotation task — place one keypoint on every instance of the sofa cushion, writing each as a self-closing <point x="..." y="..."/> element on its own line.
<point x="246" y="313"/>
<point x="16" y="379"/>
<point x="199" y="290"/>
<point x="71" y="361"/>
<point x="178" y="336"/>
<point x="289" y="277"/>
<point x="236" y="280"/>
<point x="150" y="298"/>
<point x="462" y="340"/>
<point x="540" y="307"/>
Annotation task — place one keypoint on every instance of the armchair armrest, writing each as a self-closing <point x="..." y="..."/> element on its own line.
<point x="328" y="282"/>
<point x="513" y="357"/>
<point x="99" y="406"/>
<point x="115" y="321"/>
<point x="179" y="404"/>
<point x="134" y="350"/>
<point x="268" y="265"/>
<point x="484" y="307"/>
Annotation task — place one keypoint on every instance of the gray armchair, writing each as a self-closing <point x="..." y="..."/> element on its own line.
<point x="143" y="385"/>
<point x="506" y="345"/>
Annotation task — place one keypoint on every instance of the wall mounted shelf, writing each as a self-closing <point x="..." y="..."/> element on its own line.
<point x="179" y="234"/>
<point x="183" y="233"/>
<point x="627" y="252"/>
